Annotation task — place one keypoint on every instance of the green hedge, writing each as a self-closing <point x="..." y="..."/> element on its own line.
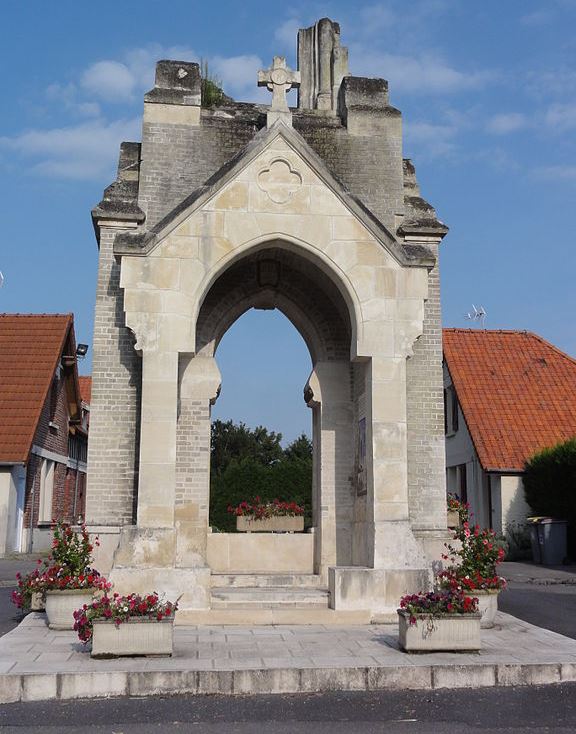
<point x="550" y="485"/>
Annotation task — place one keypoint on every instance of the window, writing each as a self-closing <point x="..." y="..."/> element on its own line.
<point x="450" y="411"/>
<point x="46" y="491"/>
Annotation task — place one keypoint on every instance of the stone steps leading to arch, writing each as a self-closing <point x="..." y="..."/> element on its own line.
<point x="270" y="597"/>
<point x="265" y="580"/>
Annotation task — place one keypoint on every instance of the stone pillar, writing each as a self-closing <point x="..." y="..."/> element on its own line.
<point x="328" y="393"/>
<point x="199" y="384"/>
<point x="157" y="485"/>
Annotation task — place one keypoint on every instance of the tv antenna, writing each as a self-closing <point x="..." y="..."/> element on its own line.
<point x="478" y="315"/>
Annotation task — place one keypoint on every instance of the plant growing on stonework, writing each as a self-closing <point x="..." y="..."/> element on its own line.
<point x="212" y="93"/>
<point x="119" y="609"/>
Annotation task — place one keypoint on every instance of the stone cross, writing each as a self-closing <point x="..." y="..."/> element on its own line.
<point x="279" y="79"/>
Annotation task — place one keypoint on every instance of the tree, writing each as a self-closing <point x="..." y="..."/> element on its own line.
<point x="230" y="441"/>
<point x="300" y="448"/>
<point x="247" y="463"/>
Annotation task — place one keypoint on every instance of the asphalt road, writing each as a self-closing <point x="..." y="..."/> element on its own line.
<point x="529" y="709"/>
<point x="552" y="607"/>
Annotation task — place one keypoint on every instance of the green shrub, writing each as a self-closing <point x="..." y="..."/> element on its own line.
<point x="550" y="484"/>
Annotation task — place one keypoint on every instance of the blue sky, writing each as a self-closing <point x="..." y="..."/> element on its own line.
<point x="488" y="95"/>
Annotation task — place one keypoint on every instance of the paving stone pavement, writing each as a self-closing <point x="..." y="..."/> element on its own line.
<point x="37" y="663"/>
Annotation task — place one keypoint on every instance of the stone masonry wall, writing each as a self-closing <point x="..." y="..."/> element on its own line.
<point x="425" y="415"/>
<point x="193" y="452"/>
<point x="177" y="159"/>
<point x="114" y="416"/>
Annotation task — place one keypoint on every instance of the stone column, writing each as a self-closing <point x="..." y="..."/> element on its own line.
<point x="157" y="482"/>
<point x="199" y="384"/>
<point x="328" y="393"/>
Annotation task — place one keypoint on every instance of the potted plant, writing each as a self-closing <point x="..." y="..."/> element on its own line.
<point x="30" y="592"/>
<point x="473" y="568"/>
<point x="457" y="511"/>
<point x="446" y="620"/>
<point x="275" y="516"/>
<point x="69" y="581"/>
<point x="127" y="625"/>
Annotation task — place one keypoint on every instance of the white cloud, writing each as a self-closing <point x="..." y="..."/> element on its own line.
<point x="85" y="151"/>
<point x="557" y="82"/>
<point x="112" y="81"/>
<point x="506" y="122"/>
<point x="377" y="18"/>
<point x="287" y="33"/>
<point x="432" y="140"/>
<point x="537" y="18"/>
<point x="67" y="95"/>
<point x="561" y="117"/>
<point x="425" y="74"/>
<point x="566" y="173"/>
<point x="238" y="74"/>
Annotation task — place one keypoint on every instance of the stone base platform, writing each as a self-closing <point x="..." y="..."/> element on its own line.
<point x="37" y="663"/>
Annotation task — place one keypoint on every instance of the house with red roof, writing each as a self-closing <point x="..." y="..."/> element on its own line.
<point x="44" y="409"/>
<point x="507" y="395"/>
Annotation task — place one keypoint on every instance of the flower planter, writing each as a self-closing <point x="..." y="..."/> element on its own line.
<point x="134" y="637"/>
<point x="61" y="605"/>
<point x="37" y="602"/>
<point x="282" y="524"/>
<point x="453" y="519"/>
<point x="487" y="606"/>
<point x="446" y="632"/>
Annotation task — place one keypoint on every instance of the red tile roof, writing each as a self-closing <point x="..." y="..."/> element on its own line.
<point x="85" y="383"/>
<point x="30" y="348"/>
<point x="516" y="390"/>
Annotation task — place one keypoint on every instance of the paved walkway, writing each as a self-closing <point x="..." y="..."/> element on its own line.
<point x="37" y="663"/>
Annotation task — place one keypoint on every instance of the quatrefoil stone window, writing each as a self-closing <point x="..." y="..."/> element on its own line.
<point x="279" y="181"/>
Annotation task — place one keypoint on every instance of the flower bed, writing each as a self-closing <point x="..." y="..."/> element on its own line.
<point x="101" y="621"/>
<point x="275" y="516"/>
<point x="439" y="620"/>
<point x="65" y="579"/>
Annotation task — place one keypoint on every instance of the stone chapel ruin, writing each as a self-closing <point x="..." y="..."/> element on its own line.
<point x="313" y="211"/>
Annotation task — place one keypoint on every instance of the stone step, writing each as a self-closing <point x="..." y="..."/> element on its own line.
<point x="263" y="580"/>
<point x="272" y="597"/>
<point x="285" y="615"/>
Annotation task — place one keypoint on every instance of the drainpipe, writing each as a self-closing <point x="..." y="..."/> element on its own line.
<point x="76" y="489"/>
<point x="32" y="500"/>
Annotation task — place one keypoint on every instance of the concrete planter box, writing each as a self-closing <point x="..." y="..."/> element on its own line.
<point x="448" y="632"/>
<point x="61" y="605"/>
<point x="487" y="606"/>
<point x="37" y="602"/>
<point x="453" y="519"/>
<point x="135" y="637"/>
<point x="246" y="524"/>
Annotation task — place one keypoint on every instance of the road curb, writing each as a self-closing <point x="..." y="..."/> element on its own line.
<point x="106" y="684"/>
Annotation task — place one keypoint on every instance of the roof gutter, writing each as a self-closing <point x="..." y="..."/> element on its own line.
<point x="12" y="463"/>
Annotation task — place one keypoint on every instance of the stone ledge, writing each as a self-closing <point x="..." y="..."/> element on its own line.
<point x="108" y="684"/>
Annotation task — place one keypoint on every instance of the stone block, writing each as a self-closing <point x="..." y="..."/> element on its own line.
<point x="400" y="678"/>
<point x="318" y="680"/>
<point x="266" y="681"/>
<point x="39" y="687"/>
<point x="165" y="682"/>
<point x="91" y="684"/>
<point x="528" y="674"/>
<point x="463" y="676"/>
<point x="10" y="688"/>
